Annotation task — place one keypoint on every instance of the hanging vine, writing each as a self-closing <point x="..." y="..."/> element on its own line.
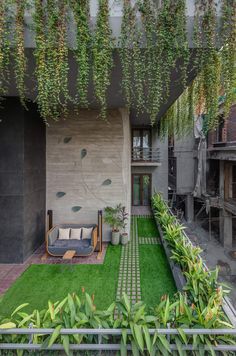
<point x="208" y="60"/>
<point x="153" y="42"/>
<point x="5" y="30"/>
<point x="51" y="55"/>
<point x="125" y="49"/>
<point x="228" y="52"/>
<point x="83" y="49"/>
<point x="152" y="58"/>
<point x="20" y="61"/>
<point x="102" y="56"/>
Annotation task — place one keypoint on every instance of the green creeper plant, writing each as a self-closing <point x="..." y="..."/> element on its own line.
<point x="102" y="56"/>
<point x="51" y="54"/>
<point x="153" y="41"/>
<point x="20" y="61"/>
<point x="83" y="49"/>
<point x="5" y="30"/>
<point x="228" y="52"/>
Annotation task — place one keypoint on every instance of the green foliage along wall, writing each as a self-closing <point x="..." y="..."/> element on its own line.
<point x="152" y="39"/>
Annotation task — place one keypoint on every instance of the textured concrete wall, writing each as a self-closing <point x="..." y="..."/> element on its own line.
<point x="22" y="181"/>
<point x="88" y="166"/>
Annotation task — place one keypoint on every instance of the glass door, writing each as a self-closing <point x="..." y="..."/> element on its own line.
<point x="141" y="189"/>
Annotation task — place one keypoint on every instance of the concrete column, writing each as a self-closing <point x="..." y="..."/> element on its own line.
<point x="222" y="179"/>
<point x="228" y="236"/>
<point x="221" y="226"/>
<point x="189" y="208"/>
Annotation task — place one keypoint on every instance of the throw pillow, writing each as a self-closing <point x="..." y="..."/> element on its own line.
<point x="75" y="233"/>
<point x="87" y="233"/>
<point x="64" y="234"/>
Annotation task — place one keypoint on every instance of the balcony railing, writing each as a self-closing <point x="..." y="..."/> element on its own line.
<point x="146" y="155"/>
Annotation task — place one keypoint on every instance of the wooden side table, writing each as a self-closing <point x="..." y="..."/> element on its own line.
<point x="68" y="255"/>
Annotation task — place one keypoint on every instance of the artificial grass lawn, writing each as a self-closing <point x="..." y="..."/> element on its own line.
<point x="40" y="283"/>
<point x="147" y="227"/>
<point x="155" y="274"/>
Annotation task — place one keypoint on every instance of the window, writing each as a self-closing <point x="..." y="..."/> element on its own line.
<point x="141" y="144"/>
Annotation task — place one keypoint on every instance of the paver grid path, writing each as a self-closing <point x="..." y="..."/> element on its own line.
<point x="149" y="241"/>
<point x="129" y="273"/>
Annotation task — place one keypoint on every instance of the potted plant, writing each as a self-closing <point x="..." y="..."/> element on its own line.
<point x="112" y="218"/>
<point x="124" y="218"/>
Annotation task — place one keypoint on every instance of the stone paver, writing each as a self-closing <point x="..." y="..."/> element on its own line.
<point x="149" y="241"/>
<point x="129" y="273"/>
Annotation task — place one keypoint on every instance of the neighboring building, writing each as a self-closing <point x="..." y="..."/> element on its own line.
<point x="215" y="208"/>
<point x="181" y="174"/>
<point x="222" y="177"/>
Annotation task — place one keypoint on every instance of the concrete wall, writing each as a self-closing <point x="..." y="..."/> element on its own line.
<point x="34" y="180"/>
<point x="184" y="152"/>
<point x="88" y="166"/>
<point x="22" y="181"/>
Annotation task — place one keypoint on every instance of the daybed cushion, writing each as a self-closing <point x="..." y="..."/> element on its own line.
<point x="64" y="234"/>
<point x="82" y="247"/>
<point x="87" y="233"/>
<point x="75" y="233"/>
<point x="59" y="247"/>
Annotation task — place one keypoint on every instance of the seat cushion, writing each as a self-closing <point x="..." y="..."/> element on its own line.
<point x="82" y="247"/>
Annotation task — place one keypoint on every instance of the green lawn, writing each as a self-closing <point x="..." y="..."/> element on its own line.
<point x="40" y="283"/>
<point x="155" y="274"/>
<point x="147" y="227"/>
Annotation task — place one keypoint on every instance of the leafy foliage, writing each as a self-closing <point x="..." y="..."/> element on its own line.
<point x="102" y="55"/>
<point x="153" y="41"/>
<point x="74" y="313"/>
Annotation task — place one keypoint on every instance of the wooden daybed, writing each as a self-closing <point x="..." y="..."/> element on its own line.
<point x="83" y="247"/>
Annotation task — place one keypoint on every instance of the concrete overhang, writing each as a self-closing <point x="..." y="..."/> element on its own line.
<point x="227" y="153"/>
<point x="116" y="11"/>
<point x="146" y="164"/>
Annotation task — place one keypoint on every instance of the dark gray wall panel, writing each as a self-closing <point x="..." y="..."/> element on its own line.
<point x="22" y="181"/>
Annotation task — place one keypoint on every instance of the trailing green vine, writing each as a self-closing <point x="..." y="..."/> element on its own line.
<point x="152" y="44"/>
<point x="125" y="50"/>
<point x="4" y="46"/>
<point x="102" y="56"/>
<point x="83" y="49"/>
<point x="20" y="60"/>
<point x="228" y="52"/>
<point x="51" y="56"/>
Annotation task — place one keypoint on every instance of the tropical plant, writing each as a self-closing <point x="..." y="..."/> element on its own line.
<point x="112" y="217"/>
<point x="123" y="215"/>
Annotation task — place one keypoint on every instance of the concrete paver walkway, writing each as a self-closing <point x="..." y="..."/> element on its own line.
<point x="129" y="273"/>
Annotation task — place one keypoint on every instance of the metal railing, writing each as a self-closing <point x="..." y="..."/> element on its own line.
<point x="99" y="346"/>
<point x="145" y="154"/>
